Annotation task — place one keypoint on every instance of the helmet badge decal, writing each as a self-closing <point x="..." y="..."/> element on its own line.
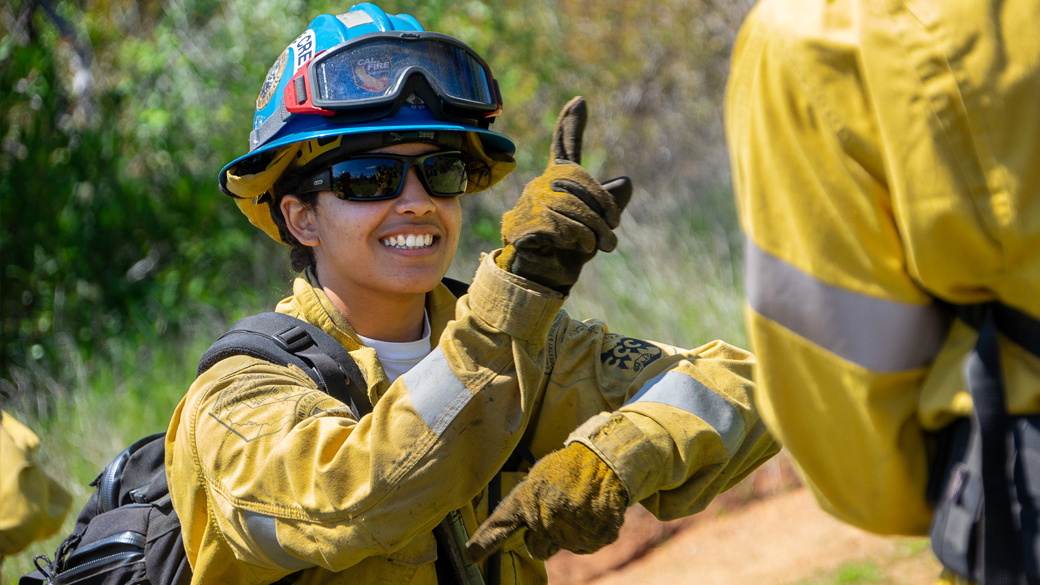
<point x="302" y="49"/>
<point x="274" y="75"/>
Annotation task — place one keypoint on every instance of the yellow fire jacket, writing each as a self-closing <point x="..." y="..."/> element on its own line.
<point x="885" y="153"/>
<point x="270" y="476"/>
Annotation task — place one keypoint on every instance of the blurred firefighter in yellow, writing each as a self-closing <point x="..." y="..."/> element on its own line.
<point x="273" y="479"/>
<point x="32" y="505"/>
<point x="886" y="163"/>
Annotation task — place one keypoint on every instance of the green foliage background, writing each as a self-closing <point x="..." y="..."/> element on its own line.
<point x="112" y="136"/>
<point x="120" y="260"/>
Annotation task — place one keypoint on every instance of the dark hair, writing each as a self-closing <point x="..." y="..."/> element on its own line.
<point x="301" y="256"/>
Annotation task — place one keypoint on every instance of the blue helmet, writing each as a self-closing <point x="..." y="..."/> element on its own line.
<point x="365" y="72"/>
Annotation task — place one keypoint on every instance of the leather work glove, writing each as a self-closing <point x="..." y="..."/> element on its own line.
<point x="571" y="499"/>
<point x="564" y="215"/>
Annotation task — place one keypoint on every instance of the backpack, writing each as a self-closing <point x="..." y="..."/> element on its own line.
<point x="128" y="532"/>
<point x="986" y="476"/>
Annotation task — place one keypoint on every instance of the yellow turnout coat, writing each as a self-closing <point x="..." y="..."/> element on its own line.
<point x="885" y="153"/>
<point x="270" y="476"/>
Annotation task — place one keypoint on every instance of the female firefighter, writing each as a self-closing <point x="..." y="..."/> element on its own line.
<point x="367" y="130"/>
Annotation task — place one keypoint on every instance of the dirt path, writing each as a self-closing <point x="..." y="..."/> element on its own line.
<point x="781" y="539"/>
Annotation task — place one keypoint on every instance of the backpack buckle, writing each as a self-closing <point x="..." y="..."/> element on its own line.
<point x="293" y="339"/>
<point x="140" y="495"/>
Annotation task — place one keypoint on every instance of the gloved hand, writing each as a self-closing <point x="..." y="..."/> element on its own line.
<point x="564" y="215"/>
<point x="571" y="499"/>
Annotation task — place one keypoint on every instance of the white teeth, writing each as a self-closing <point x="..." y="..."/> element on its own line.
<point x="411" y="241"/>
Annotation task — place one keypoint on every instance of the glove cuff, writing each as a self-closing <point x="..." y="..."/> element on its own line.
<point x="514" y="305"/>
<point x="624" y="448"/>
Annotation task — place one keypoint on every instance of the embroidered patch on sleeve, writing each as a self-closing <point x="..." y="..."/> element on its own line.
<point x="626" y="353"/>
<point x="252" y="407"/>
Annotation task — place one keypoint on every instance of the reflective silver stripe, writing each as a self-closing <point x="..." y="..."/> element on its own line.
<point x="878" y="334"/>
<point x="437" y="394"/>
<point x="262" y="528"/>
<point x="682" y="391"/>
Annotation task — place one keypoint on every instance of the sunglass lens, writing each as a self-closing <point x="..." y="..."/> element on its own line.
<point x="367" y="178"/>
<point x="445" y="174"/>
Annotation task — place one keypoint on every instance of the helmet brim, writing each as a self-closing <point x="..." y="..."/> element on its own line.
<point x="493" y="142"/>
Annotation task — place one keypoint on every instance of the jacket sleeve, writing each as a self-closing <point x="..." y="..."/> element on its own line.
<point x="292" y="481"/>
<point x="843" y="333"/>
<point x="682" y="425"/>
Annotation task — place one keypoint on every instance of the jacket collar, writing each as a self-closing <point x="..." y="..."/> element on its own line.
<point x="310" y="303"/>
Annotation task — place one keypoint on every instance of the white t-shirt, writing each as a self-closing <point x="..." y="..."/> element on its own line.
<point x="398" y="358"/>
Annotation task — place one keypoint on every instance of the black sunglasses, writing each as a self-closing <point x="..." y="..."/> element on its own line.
<point x="377" y="176"/>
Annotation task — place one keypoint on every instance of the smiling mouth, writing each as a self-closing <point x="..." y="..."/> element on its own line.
<point x="408" y="242"/>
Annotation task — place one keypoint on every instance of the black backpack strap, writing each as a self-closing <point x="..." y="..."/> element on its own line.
<point x="457" y="287"/>
<point x="1017" y="326"/>
<point x="1002" y="554"/>
<point x="283" y="339"/>
<point x="1001" y="558"/>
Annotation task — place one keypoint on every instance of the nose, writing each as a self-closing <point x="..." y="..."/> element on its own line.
<point x="414" y="198"/>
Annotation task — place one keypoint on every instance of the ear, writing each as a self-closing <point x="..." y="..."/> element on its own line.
<point x="300" y="220"/>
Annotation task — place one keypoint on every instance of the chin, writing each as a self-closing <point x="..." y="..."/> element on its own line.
<point x="417" y="284"/>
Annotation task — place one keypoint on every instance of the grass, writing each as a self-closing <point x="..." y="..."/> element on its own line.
<point x="672" y="285"/>
<point x="914" y="547"/>
<point x="676" y="277"/>
<point x="884" y="571"/>
<point x="852" y="572"/>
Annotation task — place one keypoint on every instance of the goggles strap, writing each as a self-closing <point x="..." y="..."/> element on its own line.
<point x="415" y="84"/>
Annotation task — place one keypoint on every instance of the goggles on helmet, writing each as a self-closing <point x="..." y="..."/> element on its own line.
<point x="370" y="77"/>
<point x="375" y="177"/>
